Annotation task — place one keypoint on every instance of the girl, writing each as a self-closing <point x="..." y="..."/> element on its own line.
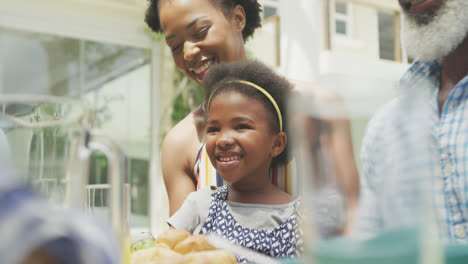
<point x="246" y="134"/>
<point x="201" y="33"/>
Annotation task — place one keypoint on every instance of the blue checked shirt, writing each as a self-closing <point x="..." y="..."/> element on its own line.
<point x="415" y="160"/>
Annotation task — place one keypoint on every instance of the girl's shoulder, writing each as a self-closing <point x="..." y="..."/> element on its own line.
<point x="202" y="197"/>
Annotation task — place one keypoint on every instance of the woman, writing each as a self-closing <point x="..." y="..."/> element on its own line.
<point x="200" y="33"/>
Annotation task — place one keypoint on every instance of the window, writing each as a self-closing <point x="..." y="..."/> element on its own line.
<point x="270" y="8"/>
<point x="112" y="80"/>
<point x="269" y="11"/>
<point x="386" y="36"/>
<point x="342" y="18"/>
<point x="389" y="43"/>
<point x="265" y="44"/>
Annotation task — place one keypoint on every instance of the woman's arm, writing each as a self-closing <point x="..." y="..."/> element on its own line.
<point x="179" y="151"/>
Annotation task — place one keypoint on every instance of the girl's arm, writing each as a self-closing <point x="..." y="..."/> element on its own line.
<point x="193" y="212"/>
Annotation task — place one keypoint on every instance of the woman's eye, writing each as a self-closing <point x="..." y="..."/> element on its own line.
<point x="202" y="32"/>
<point x="176" y="48"/>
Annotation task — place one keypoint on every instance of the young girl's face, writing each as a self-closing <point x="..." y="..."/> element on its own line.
<point x="199" y="35"/>
<point x="239" y="139"/>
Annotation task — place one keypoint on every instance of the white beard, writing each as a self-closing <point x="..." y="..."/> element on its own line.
<point x="438" y="38"/>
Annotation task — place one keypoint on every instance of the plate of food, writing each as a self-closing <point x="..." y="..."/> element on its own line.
<point x="178" y="247"/>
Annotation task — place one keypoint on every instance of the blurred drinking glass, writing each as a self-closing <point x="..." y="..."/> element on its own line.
<point x="322" y="145"/>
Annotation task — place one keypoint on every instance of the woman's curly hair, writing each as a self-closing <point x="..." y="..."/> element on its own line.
<point x="251" y="7"/>
<point x="218" y="81"/>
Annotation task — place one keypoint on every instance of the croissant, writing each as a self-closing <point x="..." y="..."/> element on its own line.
<point x="193" y="244"/>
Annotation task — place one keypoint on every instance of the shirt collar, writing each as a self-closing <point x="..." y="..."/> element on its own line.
<point x="421" y="73"/>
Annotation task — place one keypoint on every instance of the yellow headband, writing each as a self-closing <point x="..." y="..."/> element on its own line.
<point x="280" y="119"/>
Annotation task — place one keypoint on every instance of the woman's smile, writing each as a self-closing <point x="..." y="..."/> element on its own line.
<point x="203" y="68"/>
<point x="200" y="35"/>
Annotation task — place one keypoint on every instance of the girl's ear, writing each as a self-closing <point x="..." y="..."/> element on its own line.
<point x="238" y="17"/>
<point x="279" y="143"/>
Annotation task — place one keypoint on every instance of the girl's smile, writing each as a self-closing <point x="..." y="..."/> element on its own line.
<point x="239" y="139"/>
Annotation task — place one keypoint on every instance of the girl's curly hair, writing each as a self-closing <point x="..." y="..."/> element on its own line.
<point x="219" y="80"/>
<point x="251" y="7"/>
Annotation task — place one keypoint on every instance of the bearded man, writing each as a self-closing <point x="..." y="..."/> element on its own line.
<point x="415" y="151"/>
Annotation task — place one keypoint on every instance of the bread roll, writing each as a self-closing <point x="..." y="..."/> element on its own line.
<point x="210" y="257"/>
<point x="172" y="237"/>
<point x="170" y="260"/>
<point x="151" y="254"/>
<point x="176" y="246"/>
<point x="142" y="256"/>
<point x="193" y="244"/>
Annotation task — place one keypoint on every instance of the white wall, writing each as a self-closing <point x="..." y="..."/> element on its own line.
<point x="300" y="38"/>
<point x="104" y="21"/>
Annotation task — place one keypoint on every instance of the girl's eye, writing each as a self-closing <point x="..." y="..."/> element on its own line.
<point x="211" y="130"/>
<point x="243" y="126"/>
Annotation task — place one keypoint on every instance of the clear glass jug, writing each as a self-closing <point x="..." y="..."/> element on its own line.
<point x="48" y="142"/>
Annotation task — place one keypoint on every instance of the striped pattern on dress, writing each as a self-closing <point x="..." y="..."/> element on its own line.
<point x="283" y="176"/>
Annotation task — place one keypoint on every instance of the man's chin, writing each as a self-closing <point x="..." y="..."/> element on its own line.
<point x="440" y="36"/>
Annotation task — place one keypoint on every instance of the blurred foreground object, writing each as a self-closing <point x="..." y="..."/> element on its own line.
<point x="33" y="231"/>
<point x="323" y="148"/>
<point x="179" y="246"/>
<point x="48" y="143"/>
<point x="400" y="245"/>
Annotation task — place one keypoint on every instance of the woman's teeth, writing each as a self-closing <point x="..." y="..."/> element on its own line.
<point x="203" y="68"/>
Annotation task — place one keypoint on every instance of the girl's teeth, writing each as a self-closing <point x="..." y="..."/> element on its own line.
<point x="228" y="159"/>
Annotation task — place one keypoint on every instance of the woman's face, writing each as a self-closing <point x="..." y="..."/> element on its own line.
<point x="199" y="35"/>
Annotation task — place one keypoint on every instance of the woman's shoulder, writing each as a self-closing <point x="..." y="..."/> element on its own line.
<point x="184" y="135"/>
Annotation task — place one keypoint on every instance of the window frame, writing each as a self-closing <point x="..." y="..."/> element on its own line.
<point x="346" y="18"/>
<point x="270" y="3"/>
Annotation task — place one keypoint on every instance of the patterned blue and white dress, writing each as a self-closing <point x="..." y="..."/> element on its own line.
<point x="280" y="242"/>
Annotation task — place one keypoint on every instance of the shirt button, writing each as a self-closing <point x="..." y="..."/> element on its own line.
<point x="453" y="200"/>
<point x="457" y="216"/>
<point x="453" y="105"/>
<point x="448" y="185"/>
<point x="460" y="231"/>
<point x="444" y="156"/>
<point x="448" y="168"/>
<point x="461" y="183"/>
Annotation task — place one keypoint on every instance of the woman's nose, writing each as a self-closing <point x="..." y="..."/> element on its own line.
<point x="190" y="50"/>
